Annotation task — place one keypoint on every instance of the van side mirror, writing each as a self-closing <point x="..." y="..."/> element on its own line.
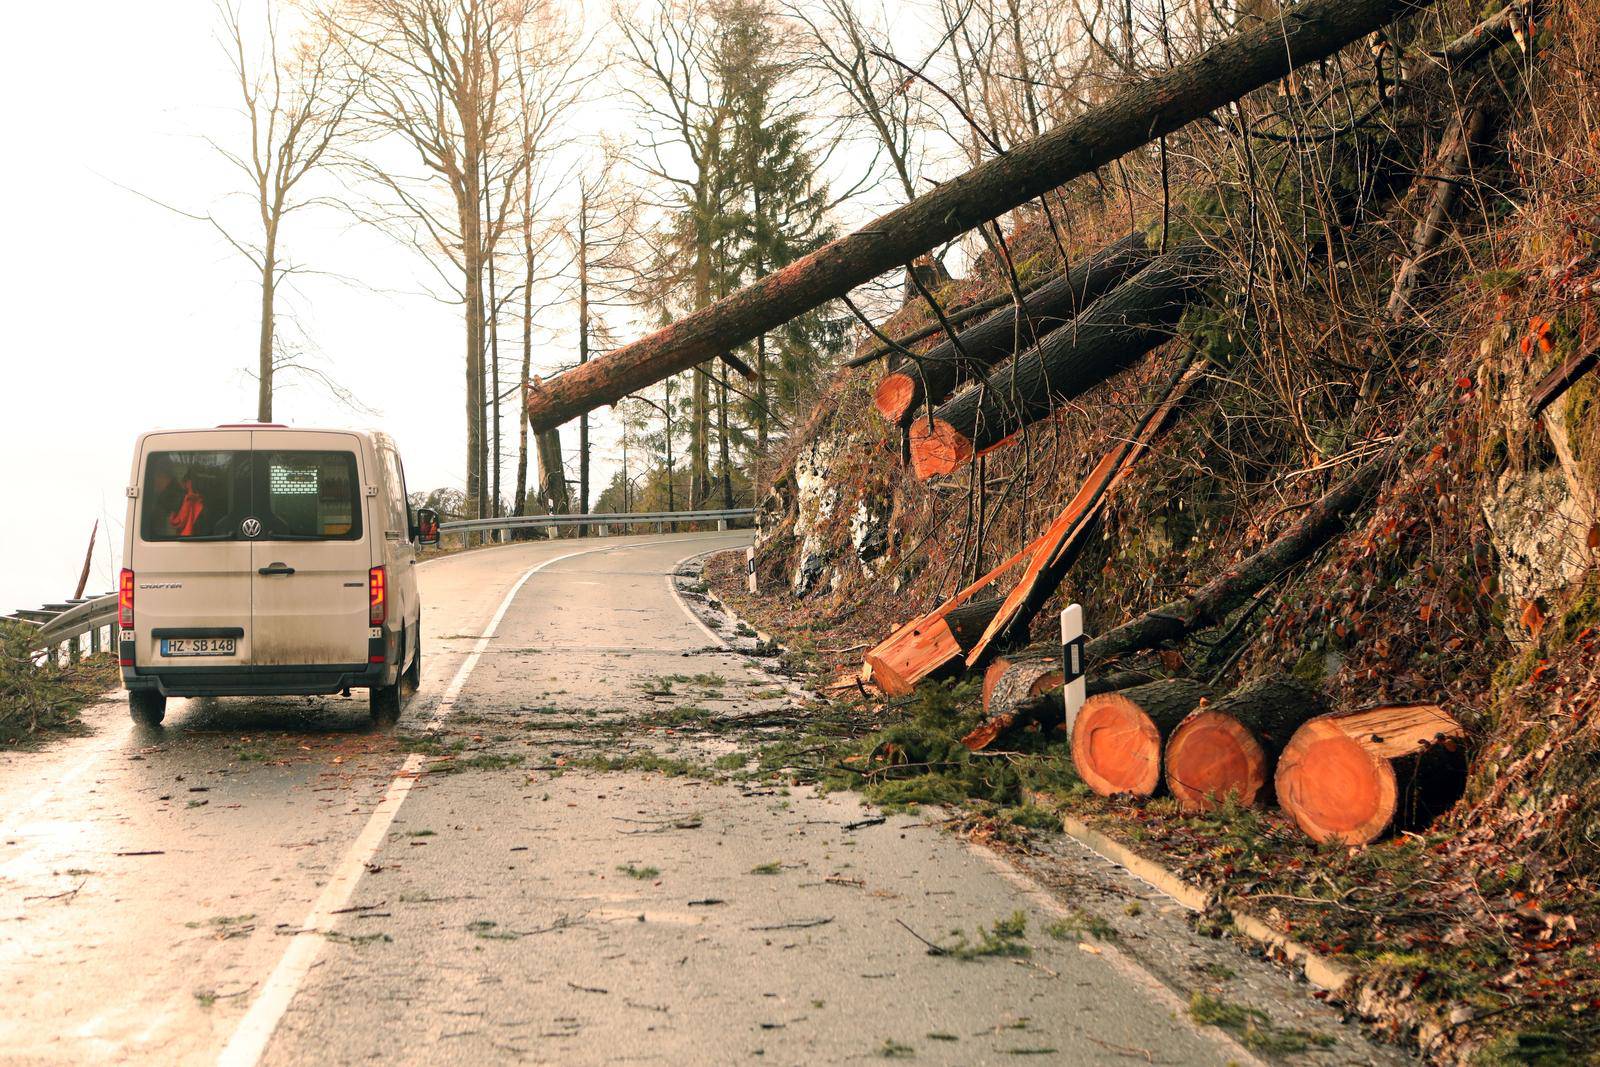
<point x="427" y="527"/>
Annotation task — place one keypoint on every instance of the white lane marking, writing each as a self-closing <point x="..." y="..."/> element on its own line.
<point x="249" y="1041"/>
<point x="672" y="587"/>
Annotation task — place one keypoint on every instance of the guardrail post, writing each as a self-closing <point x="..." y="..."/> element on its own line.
<point x="722" y="524"/>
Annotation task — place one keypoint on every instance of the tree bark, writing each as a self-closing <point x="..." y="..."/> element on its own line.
<point x="1108" y="337"/>
<point x="1212" y="602"/>
<point x="931" y="376"/>
<point x="583" y="351"/>
<point x="1117" y="737"/>
<point x="269" y="293"/>
<point x="1228" y="748"/>
<point x="1310" y="31"/>
<point x="1350" y="777"/>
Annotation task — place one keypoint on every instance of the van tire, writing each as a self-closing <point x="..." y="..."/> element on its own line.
<point x="414" y="672"/>
<point x="147" y="707"/>
<point x="384" y="703"/>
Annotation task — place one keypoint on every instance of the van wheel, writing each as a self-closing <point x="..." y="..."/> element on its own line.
<point x="147" y="706"/>
<point x="414" y="672"/>
<point x="384" y="702"/>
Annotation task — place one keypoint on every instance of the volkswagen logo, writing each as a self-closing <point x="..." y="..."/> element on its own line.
<point x="250" y="527"/>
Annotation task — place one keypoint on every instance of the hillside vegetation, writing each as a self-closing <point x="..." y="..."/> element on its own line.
<point x="1348" y="321"/>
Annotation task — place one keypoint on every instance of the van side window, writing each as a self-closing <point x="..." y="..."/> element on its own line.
<point x="396" y="492"/>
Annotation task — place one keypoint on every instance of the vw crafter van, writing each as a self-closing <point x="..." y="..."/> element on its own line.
<point x="265" y="560"/>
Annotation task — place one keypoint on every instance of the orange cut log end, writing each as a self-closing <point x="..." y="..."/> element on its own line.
<point x="894" y="396"/>
<point x="1336" y="788"/>
<point x="937" y="449"/>
<point x="1211" y="757"/>
<point x="1116" y="747"/>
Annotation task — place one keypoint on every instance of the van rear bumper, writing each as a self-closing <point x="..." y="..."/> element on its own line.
<point x="250" y="680"/>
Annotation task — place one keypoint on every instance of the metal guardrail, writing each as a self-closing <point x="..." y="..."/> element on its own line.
<point x="605" y="520"/>
<point x="62" y="627"/>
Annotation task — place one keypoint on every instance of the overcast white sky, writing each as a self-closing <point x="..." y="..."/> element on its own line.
<point x="117" y="316"/>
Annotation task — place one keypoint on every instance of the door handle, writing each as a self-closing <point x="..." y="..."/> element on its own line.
<point x="276" y="568"/>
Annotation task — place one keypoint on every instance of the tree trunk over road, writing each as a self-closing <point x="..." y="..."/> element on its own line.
<point x="1106" y="338"/>
<point x="932" y="375"/>
<point x="1350" y="777"/>
<point x="1310" y="31"/>
<point x="1117" y="737"/>
<point x="1229" y="748"/>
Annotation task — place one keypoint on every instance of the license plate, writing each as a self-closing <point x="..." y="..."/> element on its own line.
<point x="199" y="646"/>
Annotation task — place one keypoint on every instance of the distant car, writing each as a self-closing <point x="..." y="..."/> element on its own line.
<point x="265" y="560"/>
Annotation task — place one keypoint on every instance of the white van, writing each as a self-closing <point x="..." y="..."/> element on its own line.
<point x="264" y="560"/>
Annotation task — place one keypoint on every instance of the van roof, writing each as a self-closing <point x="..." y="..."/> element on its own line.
<point x="269" y="426"/>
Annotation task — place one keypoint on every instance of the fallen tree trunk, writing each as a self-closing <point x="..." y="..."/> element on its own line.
<point x="924" y="647"/>
<point x="1305" y="33"/>
<point x="1228" y="749"/>
<point x="1453" y="156"/>
<point x="1108" y="337"/>
<point x="1117" y="737"/>
<point x="1350" y="777"/>
<point x="933" y="374"/>
<point x="1212" y="602"/>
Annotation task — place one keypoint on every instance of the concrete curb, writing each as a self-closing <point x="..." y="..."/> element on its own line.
<point x="1320" y="971"/>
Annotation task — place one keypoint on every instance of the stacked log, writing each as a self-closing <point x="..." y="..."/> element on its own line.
<point x="933" y="374"/>
<point x="1013" y="685"/>
<point x="1227" y="749"/>
<point x="1107" y="338"/>
<point x="1351" y="777"/>
<point x="1117" y="738"/>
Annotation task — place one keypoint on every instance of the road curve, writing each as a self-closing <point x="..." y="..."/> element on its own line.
<point x="527" y="869"/>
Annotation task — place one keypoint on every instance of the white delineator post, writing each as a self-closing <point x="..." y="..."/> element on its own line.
<point x="1074" y="685"/>
<point x="750" y="567"/>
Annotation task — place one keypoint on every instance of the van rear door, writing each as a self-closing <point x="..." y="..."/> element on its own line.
<point x="312" y="553"/>
<point x="191" y="567"/>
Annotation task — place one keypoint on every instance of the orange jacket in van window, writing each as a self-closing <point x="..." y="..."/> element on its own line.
<point x="188" y="513"/>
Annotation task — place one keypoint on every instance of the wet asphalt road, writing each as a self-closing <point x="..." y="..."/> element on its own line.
<point x="277" y="881"/>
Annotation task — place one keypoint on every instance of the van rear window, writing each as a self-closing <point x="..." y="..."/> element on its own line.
<point x="211" y="496"/>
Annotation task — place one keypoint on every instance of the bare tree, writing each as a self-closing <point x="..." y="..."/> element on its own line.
<point x="441" y="80"/>
<point x="294" y="96"/>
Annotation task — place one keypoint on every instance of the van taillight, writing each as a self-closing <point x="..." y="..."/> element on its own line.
<point x="377" y="596"/>
<point x="125" y="600"/>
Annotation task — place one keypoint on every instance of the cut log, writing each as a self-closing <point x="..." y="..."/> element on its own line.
<point x="1213" y="602"/>
<point x="1108" y="337"/>
<point x="1035" y="696"/>
<point x="1061" y="542"/>
<point x="1118" y="737"/>
<point x="1305" y="33"/>
<point x="1229" y="748"/>
<point x="925" y="645"/>
<point x="1350" y="777"/>
<point x="933" y="374"/>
